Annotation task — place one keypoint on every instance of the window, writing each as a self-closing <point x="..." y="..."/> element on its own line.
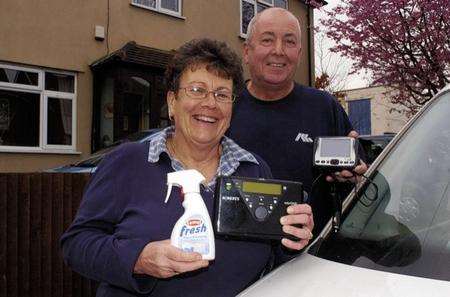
<point x="359" y="115"/>
<point x="37" y="110"/>
<point x="249" y="8"/>
<point x="172" y="7"/>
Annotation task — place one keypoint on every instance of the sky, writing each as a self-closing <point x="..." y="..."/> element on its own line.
<point x="352" y="82"/>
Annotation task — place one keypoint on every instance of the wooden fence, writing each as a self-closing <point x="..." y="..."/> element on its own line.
<point x="35" y="209"/>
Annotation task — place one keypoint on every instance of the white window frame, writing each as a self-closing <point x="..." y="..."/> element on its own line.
<point x="162" y="10"/>
<point x="40" y="85"/>
<point x="269" y="3"/>
<point x="44" y="94"/>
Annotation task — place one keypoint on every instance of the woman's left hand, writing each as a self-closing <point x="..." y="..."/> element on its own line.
<point x="299" y="214"/>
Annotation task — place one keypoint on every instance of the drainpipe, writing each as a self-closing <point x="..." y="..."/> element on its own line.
<point x="310" y="29"/>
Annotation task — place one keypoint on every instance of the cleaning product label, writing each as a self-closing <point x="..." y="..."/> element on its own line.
<point x="193" y="236"/>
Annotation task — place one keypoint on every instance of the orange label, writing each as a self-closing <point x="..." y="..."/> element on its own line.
<point x="194" y="222"/>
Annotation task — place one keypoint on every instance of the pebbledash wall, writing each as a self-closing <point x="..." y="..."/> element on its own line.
<point x="50" y="52"/>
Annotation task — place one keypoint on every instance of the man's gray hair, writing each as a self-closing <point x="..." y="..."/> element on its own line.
<point x="251" y="28"/>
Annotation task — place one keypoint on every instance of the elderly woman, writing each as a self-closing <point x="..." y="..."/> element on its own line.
<point x="120" y="234"/>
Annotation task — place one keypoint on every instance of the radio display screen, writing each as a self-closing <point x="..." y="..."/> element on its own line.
<point x="262" y="188"/>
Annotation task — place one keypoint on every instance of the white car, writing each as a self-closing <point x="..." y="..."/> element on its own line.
<point x="394" y="239"/>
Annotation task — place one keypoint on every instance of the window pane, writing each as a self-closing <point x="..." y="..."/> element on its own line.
<point x="170" y="4"/>
<point x="266" y="1"/>
<point x="18" y="77"/>
<point x="59" y="124"/>
<point x="280" y="3"/>
<point x="248" y="11"/>
<point x="261" y="7"/>
<point x="359" y="113"/>
<point x="19" y="118"/>
<point x="59" y="82"/>
<point x="148" y="3"/>
<point x="107" y="112"/>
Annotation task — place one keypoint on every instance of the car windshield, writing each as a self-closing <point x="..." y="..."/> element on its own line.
<point x="401" y="221"/>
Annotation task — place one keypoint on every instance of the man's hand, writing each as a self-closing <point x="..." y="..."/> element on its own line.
<point x="299" y="214"/>
<point x="162" y="260"/>
<point x="346" y="175"/>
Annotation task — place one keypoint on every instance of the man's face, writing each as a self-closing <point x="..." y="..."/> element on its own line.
<point x="273" y="52"/>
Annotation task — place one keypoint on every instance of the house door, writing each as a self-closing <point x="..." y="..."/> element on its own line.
<point x="132" y="104"/>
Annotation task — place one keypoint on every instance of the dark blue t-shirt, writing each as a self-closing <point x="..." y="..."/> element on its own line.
<point x="282" y="133"/>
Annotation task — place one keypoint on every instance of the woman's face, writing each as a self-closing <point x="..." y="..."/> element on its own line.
<point x="200" y="121"/>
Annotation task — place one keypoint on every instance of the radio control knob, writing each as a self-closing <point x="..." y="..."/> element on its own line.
<point x="261" y="213"/>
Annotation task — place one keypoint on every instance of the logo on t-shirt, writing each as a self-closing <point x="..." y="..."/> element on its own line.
<point x="303" y="137"/>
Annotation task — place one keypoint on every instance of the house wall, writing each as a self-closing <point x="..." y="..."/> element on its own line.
<point x="385" y="116"/>
<point x="58" y="34"/>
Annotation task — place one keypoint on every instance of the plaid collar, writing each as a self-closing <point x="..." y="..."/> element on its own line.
<point x="232" y="154"/>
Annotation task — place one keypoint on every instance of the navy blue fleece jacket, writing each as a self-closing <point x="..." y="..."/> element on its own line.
<point x="123" y="210"/>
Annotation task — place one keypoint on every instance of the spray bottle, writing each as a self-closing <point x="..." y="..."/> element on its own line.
<point x="193" y="231"/>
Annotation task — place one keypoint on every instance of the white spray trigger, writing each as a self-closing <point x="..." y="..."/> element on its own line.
<point x="188" y="180"/>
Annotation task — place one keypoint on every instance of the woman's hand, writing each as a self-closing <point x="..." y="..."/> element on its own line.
<point x="299" y="214"/>
<point x="162" y="260"/>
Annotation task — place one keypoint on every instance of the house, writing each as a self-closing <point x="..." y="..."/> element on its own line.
<point x="371" y="112"/>
<point x="76" y="76"/>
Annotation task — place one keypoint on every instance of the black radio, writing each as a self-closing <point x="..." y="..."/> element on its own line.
<point x="251" y="207"/>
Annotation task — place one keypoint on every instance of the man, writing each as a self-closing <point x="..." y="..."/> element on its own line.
<point x="277" y="118"/>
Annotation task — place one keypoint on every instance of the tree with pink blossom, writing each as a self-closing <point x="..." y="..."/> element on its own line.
<point x="404" y="43"/>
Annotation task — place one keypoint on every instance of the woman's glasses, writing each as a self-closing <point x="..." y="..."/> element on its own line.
<point x="196" y="92"/>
